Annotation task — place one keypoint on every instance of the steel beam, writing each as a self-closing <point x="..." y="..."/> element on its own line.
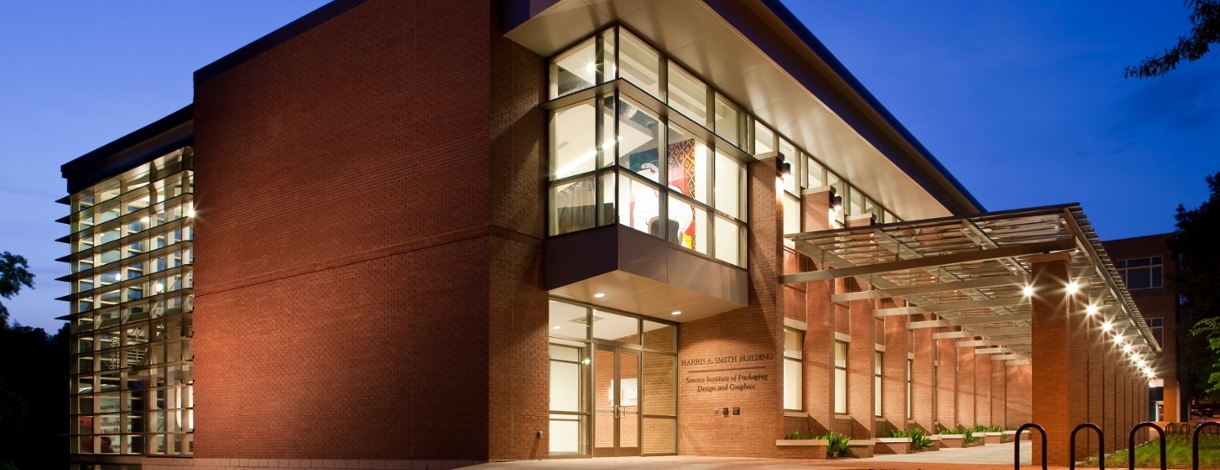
<point x="928" y="289"/>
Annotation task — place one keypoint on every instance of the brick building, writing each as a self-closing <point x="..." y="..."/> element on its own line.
<point x="435" y="233"/>
<point x="1143" y="263"/>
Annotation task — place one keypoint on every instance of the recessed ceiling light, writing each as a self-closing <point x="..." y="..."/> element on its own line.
<point x="599" y="295"/>
<point x="676" y="312"/>
<point x="555" y="328"/>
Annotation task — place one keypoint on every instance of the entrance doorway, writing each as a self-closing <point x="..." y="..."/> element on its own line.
<point x="616" y="417"/>
<point x="614" y="383"/>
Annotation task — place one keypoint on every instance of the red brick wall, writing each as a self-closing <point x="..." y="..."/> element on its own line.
<point x="753" y="330"/>
<point x="356" y="296"/>
<point x="1019" y="388"/>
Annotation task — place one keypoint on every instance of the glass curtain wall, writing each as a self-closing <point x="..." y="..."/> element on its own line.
<point x="131" y="300"/>
<point x="582" y="410"/>
<point x="626" y="135"/>
<point x="615" y="160"/>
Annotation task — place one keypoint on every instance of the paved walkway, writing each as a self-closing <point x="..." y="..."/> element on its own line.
<point x="991" y="457"/>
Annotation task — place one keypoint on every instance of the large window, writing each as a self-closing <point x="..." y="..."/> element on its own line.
<point x="1157" y="325"/>
<point x="910" y="365"/>
<point x="131" y="302"/>
<point x="1141" y="273"/>
<point x="877" y="357"/>
<point x="793" y="374"/>
<point x="840" y="377"/>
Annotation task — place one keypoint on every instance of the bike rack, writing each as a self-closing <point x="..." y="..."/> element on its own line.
<point x="1016" y="448"/>
<point x="1101" y="453"/>
<point x="1131" y="444"/>
<point x="1194" y="445"/>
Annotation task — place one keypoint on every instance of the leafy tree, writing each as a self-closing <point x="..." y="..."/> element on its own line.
<point x="1205" y="31"/>
<point x="13" y="275"/>
<point x="1195" y="281"/>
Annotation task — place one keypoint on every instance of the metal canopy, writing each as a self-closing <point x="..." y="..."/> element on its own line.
<point x="970" y="272"/>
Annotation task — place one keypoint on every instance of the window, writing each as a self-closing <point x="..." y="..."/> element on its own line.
<point x="910" y="365"/>
<point x="639" y="63"/>
<point x="728" y="120"/>
<point x="1157" y="325"/>
<point x="575" y="69"/>
<point x="840" y="377"/>
<point x="793" y="374"/>
<point x="1141" y="273"/>
<point x="687" y="95"/>
<point x="877" y="355"/>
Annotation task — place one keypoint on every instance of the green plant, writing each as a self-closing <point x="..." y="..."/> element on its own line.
<point x="797" y="435"/>
<point x="1177" y="452"/>
<point x="837" y="445"/>
<point x="919" y="438"/>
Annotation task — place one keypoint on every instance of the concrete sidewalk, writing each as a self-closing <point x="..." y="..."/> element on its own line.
<point x="991" y="457"/>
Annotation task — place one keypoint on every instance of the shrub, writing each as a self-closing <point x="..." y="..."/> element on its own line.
<point x="837" y="445"/>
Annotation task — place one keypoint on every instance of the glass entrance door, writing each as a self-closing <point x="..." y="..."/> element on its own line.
<point x="616" y="417"/>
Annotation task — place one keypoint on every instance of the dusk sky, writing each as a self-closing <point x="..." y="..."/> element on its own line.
<point x="1024" y="102"/>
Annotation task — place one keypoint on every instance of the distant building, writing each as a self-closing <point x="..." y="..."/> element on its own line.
<point x="434" y="233"/>
<point x="1143" y="263"/>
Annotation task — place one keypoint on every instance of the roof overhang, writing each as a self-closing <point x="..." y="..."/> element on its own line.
<point x="971" y="272"/>
<point x="759" y="55"/>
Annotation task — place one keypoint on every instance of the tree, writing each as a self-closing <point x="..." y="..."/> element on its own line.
<point x="1197" y="254"/>
<point x="1205" y="31"/>
<point x="13" y="275"/>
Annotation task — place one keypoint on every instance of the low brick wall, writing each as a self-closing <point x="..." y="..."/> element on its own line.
<point x="953" y="441"/>
<point x="892" y="445"/>
<point x="802" y="448"/>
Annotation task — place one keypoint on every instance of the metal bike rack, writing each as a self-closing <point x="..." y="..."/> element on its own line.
<point x="1101" y="453"/>
<point x="1194" y="444"/>
<point x="1131" y="444"/>
<point x="1016" y="448"/>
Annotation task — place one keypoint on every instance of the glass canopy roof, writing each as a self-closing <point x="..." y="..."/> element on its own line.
<point x="971" y="272"/>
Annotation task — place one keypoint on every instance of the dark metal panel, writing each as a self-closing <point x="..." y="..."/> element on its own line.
<point x="575" y="257"/>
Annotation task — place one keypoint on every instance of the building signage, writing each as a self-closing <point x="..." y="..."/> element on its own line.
<point x="729" y="379"/>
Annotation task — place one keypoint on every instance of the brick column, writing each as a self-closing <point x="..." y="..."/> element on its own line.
<point x="999" y="378"/>
<point x="1095" y="372"/>
<point x="1078" y="367"/>
<point x="982" y="388"/>
<point x="818" y="350"/>
<point x="946" y="381"/>
<point x="965" y="386"/>
<point x="860" y="359"/>
<point x="1110" y="393"/>
<point x="894" y="373"/>
<point x="922" y="395"/>
<point x="1051" y="356"/>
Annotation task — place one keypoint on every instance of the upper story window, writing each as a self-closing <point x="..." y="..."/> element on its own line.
<point x="1141" y="273"/>
<point x="669" y="161"/>
<point x="1157" y="325"/>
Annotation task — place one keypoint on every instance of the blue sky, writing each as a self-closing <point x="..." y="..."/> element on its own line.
<point x="1024" y="102"/>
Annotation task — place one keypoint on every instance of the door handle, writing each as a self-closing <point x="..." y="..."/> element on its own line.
<point x="618" y="412"/>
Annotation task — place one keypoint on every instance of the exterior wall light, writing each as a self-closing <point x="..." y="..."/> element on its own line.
<point x="1091" y="310"/>
<point x="783" y="169"/>
<point x="1106" y="326"/>
<point x="1028" y="290"/>
<point x="1073" y="287"/>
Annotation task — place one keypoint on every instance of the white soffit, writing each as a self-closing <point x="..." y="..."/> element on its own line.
<point x="694" y="36"/>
